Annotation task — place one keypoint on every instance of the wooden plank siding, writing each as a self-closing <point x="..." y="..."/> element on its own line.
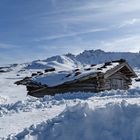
<point x="117" y="76"/>
<point x="89" y="85"/>
<point x="93" y="84"/>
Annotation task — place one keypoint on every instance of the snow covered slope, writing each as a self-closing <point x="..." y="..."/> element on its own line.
<point x="58" y="62"/>
<point x="70" y="61"/>
<point x="109" y="115"/>
<point x="112" y="122"/>
<point x="28" y="118"/>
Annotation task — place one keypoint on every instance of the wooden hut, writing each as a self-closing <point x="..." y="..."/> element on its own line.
<point x="110" y="75"/>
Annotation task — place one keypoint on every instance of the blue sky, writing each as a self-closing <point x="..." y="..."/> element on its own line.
<point x="32" y="29"/>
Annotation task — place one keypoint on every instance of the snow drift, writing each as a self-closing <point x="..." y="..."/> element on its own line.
<point x="32" y="103"/>
<point x="112" y="122"/>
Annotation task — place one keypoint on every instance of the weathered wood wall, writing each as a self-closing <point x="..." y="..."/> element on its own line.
<point x="94" y="84"/>
<point x="118" y="77"/>
<point x="85" y="86"/>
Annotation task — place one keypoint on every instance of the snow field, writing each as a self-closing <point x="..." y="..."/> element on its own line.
<point x="32" y="103"/>
<point x="32" y="111"/>
<point x="108" y="115"/>
<point x="80" y="122"/>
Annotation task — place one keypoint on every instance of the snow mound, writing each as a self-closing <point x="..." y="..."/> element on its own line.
<point x="63" y="59"/>
<point x="131" y="93"/>
<point x="112" y="122"/>
<point x="61" y="62"/>
<point x="32" y="103"/>
<point x="3" y="99"/>
<point x="25" y="106"/>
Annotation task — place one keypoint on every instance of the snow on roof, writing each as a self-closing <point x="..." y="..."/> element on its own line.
<point x="56" y="78"/>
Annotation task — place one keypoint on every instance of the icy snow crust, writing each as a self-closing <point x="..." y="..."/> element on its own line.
<point x="52" y="79"/>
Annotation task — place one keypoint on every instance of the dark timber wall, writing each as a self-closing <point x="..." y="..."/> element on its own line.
<point x="94" y="84"/>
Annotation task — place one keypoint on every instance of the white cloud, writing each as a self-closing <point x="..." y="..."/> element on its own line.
<point x="130" y="22"/>
<point x="71" y="18"/>
<point x="60" y="36"/>
<point x="126" y="44"/>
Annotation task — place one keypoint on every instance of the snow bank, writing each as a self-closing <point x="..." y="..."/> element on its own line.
<point x="113" y="122"/>
<point x="3" y="99"/>
<point x="25" y="106"/>
<point x="131" y="93"/>
<point x="48" y="101"/>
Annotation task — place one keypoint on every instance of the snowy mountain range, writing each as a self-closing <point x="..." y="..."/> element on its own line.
<point x="99" y="56"/>
<point x="69" y="61"/>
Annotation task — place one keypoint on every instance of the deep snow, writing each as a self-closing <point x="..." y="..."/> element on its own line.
<point x="111" y="115"/>
<point x="80" y="122"/>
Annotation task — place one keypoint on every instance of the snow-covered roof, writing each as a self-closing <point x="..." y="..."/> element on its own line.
<point x="56" y="78"/>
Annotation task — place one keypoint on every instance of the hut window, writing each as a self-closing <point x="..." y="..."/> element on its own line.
<point x="117" y="84"/>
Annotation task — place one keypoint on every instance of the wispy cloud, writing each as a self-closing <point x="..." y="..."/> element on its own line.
<point x="60" y="36"/>
<point x="7" y="46"/>
<point x="126" y="44"/>
<point x="130" y="22"/>
<point x="60" y="26"/>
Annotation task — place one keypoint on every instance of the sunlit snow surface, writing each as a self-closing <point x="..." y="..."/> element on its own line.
<point x="110" y="115"/>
